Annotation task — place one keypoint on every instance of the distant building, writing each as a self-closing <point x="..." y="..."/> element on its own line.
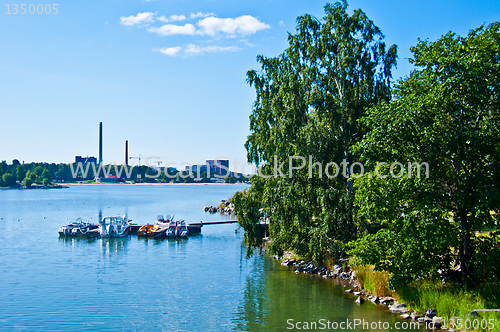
<point x="215" y="166"/>
<point x="84" y="160"/>
<point x="223" y="163"/>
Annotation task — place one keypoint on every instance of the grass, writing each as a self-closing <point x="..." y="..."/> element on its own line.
<point x="449" y="300"/>
<point x="373" y="281"/>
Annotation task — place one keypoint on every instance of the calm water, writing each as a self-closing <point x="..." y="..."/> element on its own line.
<point x="203" y="283"/>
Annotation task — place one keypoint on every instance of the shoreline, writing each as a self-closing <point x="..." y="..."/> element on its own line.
<point x="152" y="184"/>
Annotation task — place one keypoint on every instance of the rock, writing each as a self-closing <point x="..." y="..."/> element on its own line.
<point x="357" y="293"/>
<point x="405" y="316"/>
<point x="421" y="319"/>
<point x="398" y="308"/>
<point x="359" y="300"/>
<point x="473" y="314"/>
<point x="374" y="299"/>
<point x="353" y="275"/>
<point x="431" y="313"/>
<point x="415" y="315"/>
<point x="344" y="275"/>
<point x="348" y="290"/>
<point x="437" y="322"/>
<point x="386" y="300"/>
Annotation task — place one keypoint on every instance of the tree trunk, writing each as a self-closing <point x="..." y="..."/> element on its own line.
<point x="464" y="249"/>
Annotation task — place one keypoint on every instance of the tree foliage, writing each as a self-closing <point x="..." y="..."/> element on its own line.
<point x="446" y="113"/>
<point x="308" y="101"/>
<point x="8" y="180"/>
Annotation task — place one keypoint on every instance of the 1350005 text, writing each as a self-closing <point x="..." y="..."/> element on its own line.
<point x="23" y="8"/>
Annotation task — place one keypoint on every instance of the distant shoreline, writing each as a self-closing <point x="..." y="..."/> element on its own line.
<point x="152" y="184"/>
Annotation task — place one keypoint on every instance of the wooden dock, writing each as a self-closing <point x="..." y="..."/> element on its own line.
<point x="201" y="223"/>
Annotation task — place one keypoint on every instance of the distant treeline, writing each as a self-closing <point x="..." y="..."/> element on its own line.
<point x="25" y="175"/>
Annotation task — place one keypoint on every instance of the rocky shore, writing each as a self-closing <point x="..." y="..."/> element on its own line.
<point x="347" y="278"/>
<point x="225" y="207"/>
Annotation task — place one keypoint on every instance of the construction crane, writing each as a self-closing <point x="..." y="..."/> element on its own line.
<point x="137" y="158"/>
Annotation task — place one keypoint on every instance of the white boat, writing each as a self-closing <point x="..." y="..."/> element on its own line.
<point x="171" y="229"/>
<point x="177" y="229"/>
<point x="182" y="230"/>
<point x="116" y="226"/>
<point x="76" y="228"/>
<point x="160" y="221"/>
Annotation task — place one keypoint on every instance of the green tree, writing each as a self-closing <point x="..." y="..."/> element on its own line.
<point x="308" y="102"/>
<point x="8" y="180"/>
<point x="27" y="182"/>
<point x="446" y="113"/>
<point x="21" y="173"/>
<point x="3" y="167"/>
<point x="38" y="170"/>
<point x="46" y="176"/>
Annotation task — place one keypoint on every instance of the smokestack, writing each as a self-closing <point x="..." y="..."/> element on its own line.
<point x="126" y="153"/>
<point x="100" y="142"/>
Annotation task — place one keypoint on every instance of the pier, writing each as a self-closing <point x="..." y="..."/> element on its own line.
<point x="201" y="223"/>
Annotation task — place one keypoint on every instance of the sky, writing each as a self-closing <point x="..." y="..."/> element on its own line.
<point x="169" y="76"/>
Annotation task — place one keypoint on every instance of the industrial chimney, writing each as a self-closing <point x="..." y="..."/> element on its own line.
<point x="100" y="142"/>
<point x="126" y="153"/>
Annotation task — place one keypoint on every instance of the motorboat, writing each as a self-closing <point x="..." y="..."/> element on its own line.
<point x="76" y="228"/>
<point x="182" y="230"/>
<point x="160" y="221"/>
<point x="177" y="229"/>
<point x="171" y="229"/>
<point x="148" y="230"/>
<point x="116" y="226"/>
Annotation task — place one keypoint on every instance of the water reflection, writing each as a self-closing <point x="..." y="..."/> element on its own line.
<point x="275" y="296"/>
<point x="113" y="245"/>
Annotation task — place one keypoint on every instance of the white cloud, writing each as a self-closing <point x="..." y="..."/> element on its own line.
<point x="194" y="49"/>
<point x="200" y="14"/>
<point x="146" y="17"/>
<point x="162" y="19"/>
<point x="282" y="23"/>
<point x="170" y="51"/>
<point x="172" y="29"/>
<point x="191" y="49"/>
<point x="243" y="25"/>
<point x="177" y="17"/>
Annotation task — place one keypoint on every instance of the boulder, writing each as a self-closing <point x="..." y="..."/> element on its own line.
<point x="357" y="293"/>
<point x="386" y="300"/>
<point x="359" y="300"/>
<point x="374" y="299"/>
<point x="415" y="315"/>
<point x="398" y="308"/>
<point x="405" y="316"/>
<point x="473" y="314"/>
<point x="437" y="322"/>
<point x="431" y="313"/>
<point x="348" y="290"/>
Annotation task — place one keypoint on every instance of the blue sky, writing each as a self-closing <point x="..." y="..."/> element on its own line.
<point x="167" y="75"/>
